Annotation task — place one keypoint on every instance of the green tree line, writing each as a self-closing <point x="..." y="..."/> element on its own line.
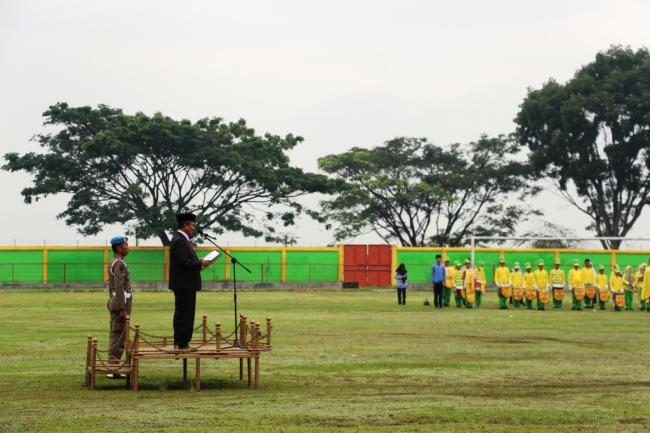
<point x="590" y="136"/>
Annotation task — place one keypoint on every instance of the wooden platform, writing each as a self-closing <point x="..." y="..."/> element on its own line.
<point x="143" y="347"/>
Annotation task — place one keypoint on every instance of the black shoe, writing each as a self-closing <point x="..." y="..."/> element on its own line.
<point x="116" y="376"/>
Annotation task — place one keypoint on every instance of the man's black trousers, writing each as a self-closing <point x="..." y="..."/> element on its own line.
<point x="185" y="304"/>
<point x="437" y="294"/>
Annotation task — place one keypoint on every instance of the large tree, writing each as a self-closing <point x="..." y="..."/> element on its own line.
<point x="591" y="135"/>
<point x="416" y="193"/>
<point x="141" y="170"/>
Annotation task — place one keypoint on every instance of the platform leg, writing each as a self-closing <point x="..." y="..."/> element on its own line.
<point x="241" y="369"/>
<point x="198" y="374"/>
<point x="184" y="369"/>
<point x="248" y="365"/>
<point x="135" y="372"/>
<point x="257" y="371"/>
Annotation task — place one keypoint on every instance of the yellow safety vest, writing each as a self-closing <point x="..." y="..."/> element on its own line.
<point x="601" y="281"/>
<point x="502" y="275"/>
<point x="458" y="278"/>
<point x="529" y="280"/>
<point x="617" y="283"/>
<point x="557" y="277"/>
<point x="541" y="279"/>
<point x="645" y="293"/>
<point x="450" y="273"/>
<point x="588" y="276"/>
<point x="575" y="278"/>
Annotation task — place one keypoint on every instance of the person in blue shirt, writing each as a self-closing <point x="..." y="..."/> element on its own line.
<point x="438" y="281"/>
<point x="400" y="278"/>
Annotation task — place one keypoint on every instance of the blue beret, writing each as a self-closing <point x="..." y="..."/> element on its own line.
<point x="118" y="240"/>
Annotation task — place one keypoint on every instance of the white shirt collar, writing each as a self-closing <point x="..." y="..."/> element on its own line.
<point x="184" y="234"/>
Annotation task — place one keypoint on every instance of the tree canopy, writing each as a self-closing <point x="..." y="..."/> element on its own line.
<point x="417" y="194"/>
<point x="592" y="137"/>
<point x="141" y="170"/>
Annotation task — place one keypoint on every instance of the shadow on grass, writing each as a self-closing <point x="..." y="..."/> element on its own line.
<point x="525" y="340"/>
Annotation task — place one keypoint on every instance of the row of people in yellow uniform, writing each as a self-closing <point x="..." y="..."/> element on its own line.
<point x="587" y="287"/>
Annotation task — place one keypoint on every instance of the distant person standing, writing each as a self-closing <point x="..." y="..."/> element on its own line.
<point x="589" y="281"/>
<point x="617" y="284"/>
<point x="541" y="284"/>
<point x="518" y="286"/>
<point x="576" y="286"/>
<point x="184" y="279"/>
<point x="645" y="288"/>
<point x="450" y="274"/>
<point x="628" y="285"/>
<point x="438" y="277"/>
<point x="459" y="279"/>
<point x="503" y="283"/>
<point x="558" y="281"/>
<point x="603" y="287"/>
<point x="469" y="284"/>
<point x="529" y="287"/>
<point x="119" y="300"/>
<point x="481" y="283"/>
<point x="401" y="277"/>
<point x="638" y="284"/>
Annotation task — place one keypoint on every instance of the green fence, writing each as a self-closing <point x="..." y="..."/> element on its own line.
<point x="56" y="265"/>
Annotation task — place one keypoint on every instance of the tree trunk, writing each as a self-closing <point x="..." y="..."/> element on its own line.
<point x="164" y="238"/>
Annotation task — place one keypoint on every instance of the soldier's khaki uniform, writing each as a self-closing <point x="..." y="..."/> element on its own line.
<point x="120" y="299"/>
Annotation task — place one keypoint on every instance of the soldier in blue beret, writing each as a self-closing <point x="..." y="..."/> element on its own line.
<point x="119" y="300"/>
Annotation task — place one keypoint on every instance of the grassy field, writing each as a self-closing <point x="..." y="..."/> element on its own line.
<point x="342" y="361"/>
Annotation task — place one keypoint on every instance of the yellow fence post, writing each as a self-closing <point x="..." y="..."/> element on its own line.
<point x="166" y="263"/>
<point x="341" y="262"/>
<point x="393" y="263"/>
<point x="283" y="265"/>
<point x="106" y="259"/>
<point x="226" y="263"/>
<point x="44" y="265"/>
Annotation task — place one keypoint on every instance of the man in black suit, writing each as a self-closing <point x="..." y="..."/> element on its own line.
<point x="184" y="279"/>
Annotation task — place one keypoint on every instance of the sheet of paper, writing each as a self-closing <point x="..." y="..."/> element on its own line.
<point x="212" y="255"/>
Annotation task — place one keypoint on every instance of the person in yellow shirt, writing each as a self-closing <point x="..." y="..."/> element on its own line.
<point x="638" y="284"/>
<point x="450" y="273"/>
<point x="481" y="283"/>
<point x="469" y="284"/>
<point x="589" y="281"/>
<point x="541" y="285"/>
<point x="617" y="285"/>
<point x="503" y="283"/>
<point x="517" y="279"/>
<point x="556" y="275"/>
<point x="458" y="285"/>
<point x="576" y="286"/>
<point x="602" y="285"/>
<point x="645" y="288"/>
<point x="529" y="287"/>
<point x="628" y="284"/>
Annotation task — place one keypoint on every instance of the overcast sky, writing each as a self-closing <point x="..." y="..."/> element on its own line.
<point x="339" y="73"/>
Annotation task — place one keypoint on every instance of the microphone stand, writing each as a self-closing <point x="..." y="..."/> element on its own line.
<point x="234" y="262"/>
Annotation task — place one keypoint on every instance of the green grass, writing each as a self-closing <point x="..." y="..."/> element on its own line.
<point x="341" y="361"/>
